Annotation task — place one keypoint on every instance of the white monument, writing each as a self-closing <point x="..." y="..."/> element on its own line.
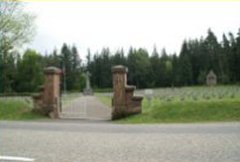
<point x="88" y="89"/>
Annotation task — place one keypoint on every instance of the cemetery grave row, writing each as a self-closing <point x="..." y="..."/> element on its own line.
<point x="192" y="93"/>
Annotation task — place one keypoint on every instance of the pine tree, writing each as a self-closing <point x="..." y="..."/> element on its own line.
<point x="66" y="67"/>
<point x="155" y="73"/>
<point x="185" y="66"/>
<point x="237" y="72"/>
<point x="30" y="72"/>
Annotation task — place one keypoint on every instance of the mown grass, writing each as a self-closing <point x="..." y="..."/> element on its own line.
<point x="104" y="98"/>
<point x="12" y="108"/>
<point x="187" y="111"/>
<point x="167" y="106"/>
<point x="186" y="105"/>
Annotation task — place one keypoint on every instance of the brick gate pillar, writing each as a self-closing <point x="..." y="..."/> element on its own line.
<point x="124" y="102"/>
<point x="119" y="82"/>
<point x="51" y="93"/>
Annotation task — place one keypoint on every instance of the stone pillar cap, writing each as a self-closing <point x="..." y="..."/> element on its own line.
<point x="130" y="88"/>
<point x="52" y="70"/>
<point x="119" y="69"/>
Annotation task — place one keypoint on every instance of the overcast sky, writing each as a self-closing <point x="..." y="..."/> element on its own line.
<point x="123" y="24"/>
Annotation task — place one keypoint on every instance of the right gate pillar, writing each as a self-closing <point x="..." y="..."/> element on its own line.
<point x="124" y="102"/>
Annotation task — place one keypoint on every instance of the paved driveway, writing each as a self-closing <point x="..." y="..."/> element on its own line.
<point x="86" y="107"/>
<point x="84" y="141"/>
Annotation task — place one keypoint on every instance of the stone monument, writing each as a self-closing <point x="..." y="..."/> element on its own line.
<point x="211" y="79"/>
<point x="87" y="90"/>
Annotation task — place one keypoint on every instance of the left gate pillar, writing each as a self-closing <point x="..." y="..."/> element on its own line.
<point x="51" y="92"/>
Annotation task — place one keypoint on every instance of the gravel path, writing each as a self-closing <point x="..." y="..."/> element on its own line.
<point x="83" y="141"/>
<point x="86" y="107"/>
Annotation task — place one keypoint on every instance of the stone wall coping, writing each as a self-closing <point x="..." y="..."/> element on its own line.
<point x="36" y="96"/>
<point x="119" y="69"/>
<point x="137" y="98"/>
<point x="52" y="70"/>
<point x="130" y="88"/>
<point x="41" y="88"/>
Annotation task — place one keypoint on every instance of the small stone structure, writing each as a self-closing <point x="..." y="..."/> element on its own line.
<point x="123" y="102"/>
<point x="88" y="90"/>
<point x="211" y="78"/>
<point x="47" y="102"/>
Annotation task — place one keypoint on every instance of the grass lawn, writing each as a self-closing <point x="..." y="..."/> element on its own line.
<point x="17" y="108"/>
<point x="186" y="111"/>
<point x="104" y="98"/>
<point x="189" y="104"/>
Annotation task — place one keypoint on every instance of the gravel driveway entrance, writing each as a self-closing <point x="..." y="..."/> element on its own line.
<point x="85" y="107"/>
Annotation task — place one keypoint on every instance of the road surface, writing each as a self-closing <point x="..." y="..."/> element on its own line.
<point x="99" y="141"/>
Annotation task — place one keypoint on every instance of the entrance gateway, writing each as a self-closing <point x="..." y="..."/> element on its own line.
<point x="51" y="103"/>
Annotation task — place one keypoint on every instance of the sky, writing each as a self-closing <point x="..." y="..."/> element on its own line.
<point x="117" y="25"/>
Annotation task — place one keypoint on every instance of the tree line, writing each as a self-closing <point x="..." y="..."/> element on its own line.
<point x="190" y="67"/>
<point x="24" y="72"/>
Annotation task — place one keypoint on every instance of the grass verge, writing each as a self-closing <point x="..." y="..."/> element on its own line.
<point x="186" y="112"/>
<point x="17" y="109"/>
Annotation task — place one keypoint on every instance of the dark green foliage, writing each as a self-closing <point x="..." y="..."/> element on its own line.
<point x="155" y="66"/>
<point x="138" y="65"/>
<point x="185" y="66"/>
<point x="25" y="74"/>
<point x="190" y="67"/>
<point x="237" y="68"/>
<point x="70" y="64"/>
<point x="196" y="58"/>
<point x="30" y="72"/>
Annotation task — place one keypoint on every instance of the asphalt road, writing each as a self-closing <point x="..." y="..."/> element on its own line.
<point x="99" y="141"/>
